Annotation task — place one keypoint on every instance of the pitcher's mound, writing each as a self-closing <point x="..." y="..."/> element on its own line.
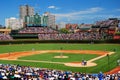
<point x="61" y="57"/>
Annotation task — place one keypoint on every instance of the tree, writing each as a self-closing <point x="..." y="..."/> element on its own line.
<point x="64" y="30"/>
<point x="8" y="27"/>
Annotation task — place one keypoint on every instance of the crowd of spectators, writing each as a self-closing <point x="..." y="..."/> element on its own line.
<point x="37" y="30"/>
<point x="5" y="37"/>
<point x="105" y="23"/>
<point x="17" y="72"/>
<point x="71" y="36"/>
<point x="45" y="33"/>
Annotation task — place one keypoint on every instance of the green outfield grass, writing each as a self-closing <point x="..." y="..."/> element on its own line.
<point x="102" y="63"/>
<point x="50" y="57"/>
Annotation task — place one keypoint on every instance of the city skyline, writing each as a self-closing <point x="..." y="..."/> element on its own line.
<point x="72" y="11"/>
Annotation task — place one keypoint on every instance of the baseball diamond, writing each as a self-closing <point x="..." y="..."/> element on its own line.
<point x="95" y="56"/>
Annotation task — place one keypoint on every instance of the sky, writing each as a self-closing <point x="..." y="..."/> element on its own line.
<point x="68" y="11"/>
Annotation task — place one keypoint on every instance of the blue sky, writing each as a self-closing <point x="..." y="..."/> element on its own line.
<point x="69" y="11"/>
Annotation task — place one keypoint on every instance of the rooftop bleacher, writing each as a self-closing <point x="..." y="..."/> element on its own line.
<point x="105" y="23"/>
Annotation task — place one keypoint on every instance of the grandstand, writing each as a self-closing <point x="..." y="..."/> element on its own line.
<point x="5" y="37"/>
<point x="32" y="32"/>
<point x="71" y="36"/>
<point x="18" y="72"/>
<point x="101" y="30"/>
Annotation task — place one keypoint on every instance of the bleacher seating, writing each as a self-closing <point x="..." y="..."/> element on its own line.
<point x="71" y="36"/>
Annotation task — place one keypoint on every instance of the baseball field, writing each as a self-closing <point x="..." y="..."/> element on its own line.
<point x="99" y="57"/>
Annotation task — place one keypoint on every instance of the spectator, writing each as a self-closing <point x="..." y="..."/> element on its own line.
<point x="5" y="37"/>
<point x="17" y="72"/>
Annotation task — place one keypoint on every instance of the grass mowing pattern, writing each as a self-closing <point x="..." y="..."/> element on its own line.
<point x="29" y="47"/>
<point x="102" y="63"/>
<point x="50" y="57"/>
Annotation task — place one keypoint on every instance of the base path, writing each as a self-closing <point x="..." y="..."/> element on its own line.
<point x="16" y="55"/>
<point x="90" y="63"/>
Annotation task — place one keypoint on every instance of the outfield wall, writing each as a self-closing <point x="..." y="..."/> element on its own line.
<point x="59" y="41"/>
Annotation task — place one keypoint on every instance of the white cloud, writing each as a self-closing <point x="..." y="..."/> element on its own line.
<point x="85" y="18"/>
<point x="78" y="15"/>
<point x="85" y="15"/>
<point x="53" y="7"/>
<point x="88" y="11"/>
